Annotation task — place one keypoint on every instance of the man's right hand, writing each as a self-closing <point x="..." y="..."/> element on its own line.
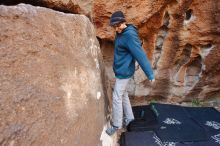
<point x="152" y="81"/>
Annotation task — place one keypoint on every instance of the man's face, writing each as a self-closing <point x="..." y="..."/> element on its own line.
<point x="118" y="27"/>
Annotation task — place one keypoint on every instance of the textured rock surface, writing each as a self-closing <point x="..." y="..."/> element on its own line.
<point x="73" y="6"/>
<point x="69" y="6"/>
<point x="51" y="91"/>
<point x="180" y="37"/>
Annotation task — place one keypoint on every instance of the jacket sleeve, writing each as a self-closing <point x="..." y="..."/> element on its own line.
<point x="134" y="46"/>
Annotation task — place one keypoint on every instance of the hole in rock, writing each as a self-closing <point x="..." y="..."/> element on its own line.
<point x="188" y="14"/>
<point x="206" y="49"/>
<point x="185" y="56"/>
<point x="166" y="19"/>
<point x="187" y="50"/>
<point x="208" y="46"/>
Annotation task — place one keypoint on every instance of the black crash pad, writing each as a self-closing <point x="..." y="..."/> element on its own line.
<point x="207" y="117"/>
<point x="176" y="125"/>
<point x="149" y="138"/>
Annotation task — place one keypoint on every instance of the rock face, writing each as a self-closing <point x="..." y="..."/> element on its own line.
<point x="181" y="39"/>
<point x="51" y="90"/>
<point x="69" y="6"/>
<point x="73" y="6"/>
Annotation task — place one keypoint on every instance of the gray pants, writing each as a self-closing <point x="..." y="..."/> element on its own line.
<point x="121" y="103"/>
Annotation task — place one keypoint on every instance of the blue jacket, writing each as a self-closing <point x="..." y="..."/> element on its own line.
<point x="127" y="50"/>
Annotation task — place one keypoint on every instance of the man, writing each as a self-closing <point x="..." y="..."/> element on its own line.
<point x="127" y="50"/>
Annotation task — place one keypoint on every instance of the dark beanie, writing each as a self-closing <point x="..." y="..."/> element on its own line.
<point x="117" y="17"/>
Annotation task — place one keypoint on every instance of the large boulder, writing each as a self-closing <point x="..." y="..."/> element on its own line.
<point x="51" y="87"/>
